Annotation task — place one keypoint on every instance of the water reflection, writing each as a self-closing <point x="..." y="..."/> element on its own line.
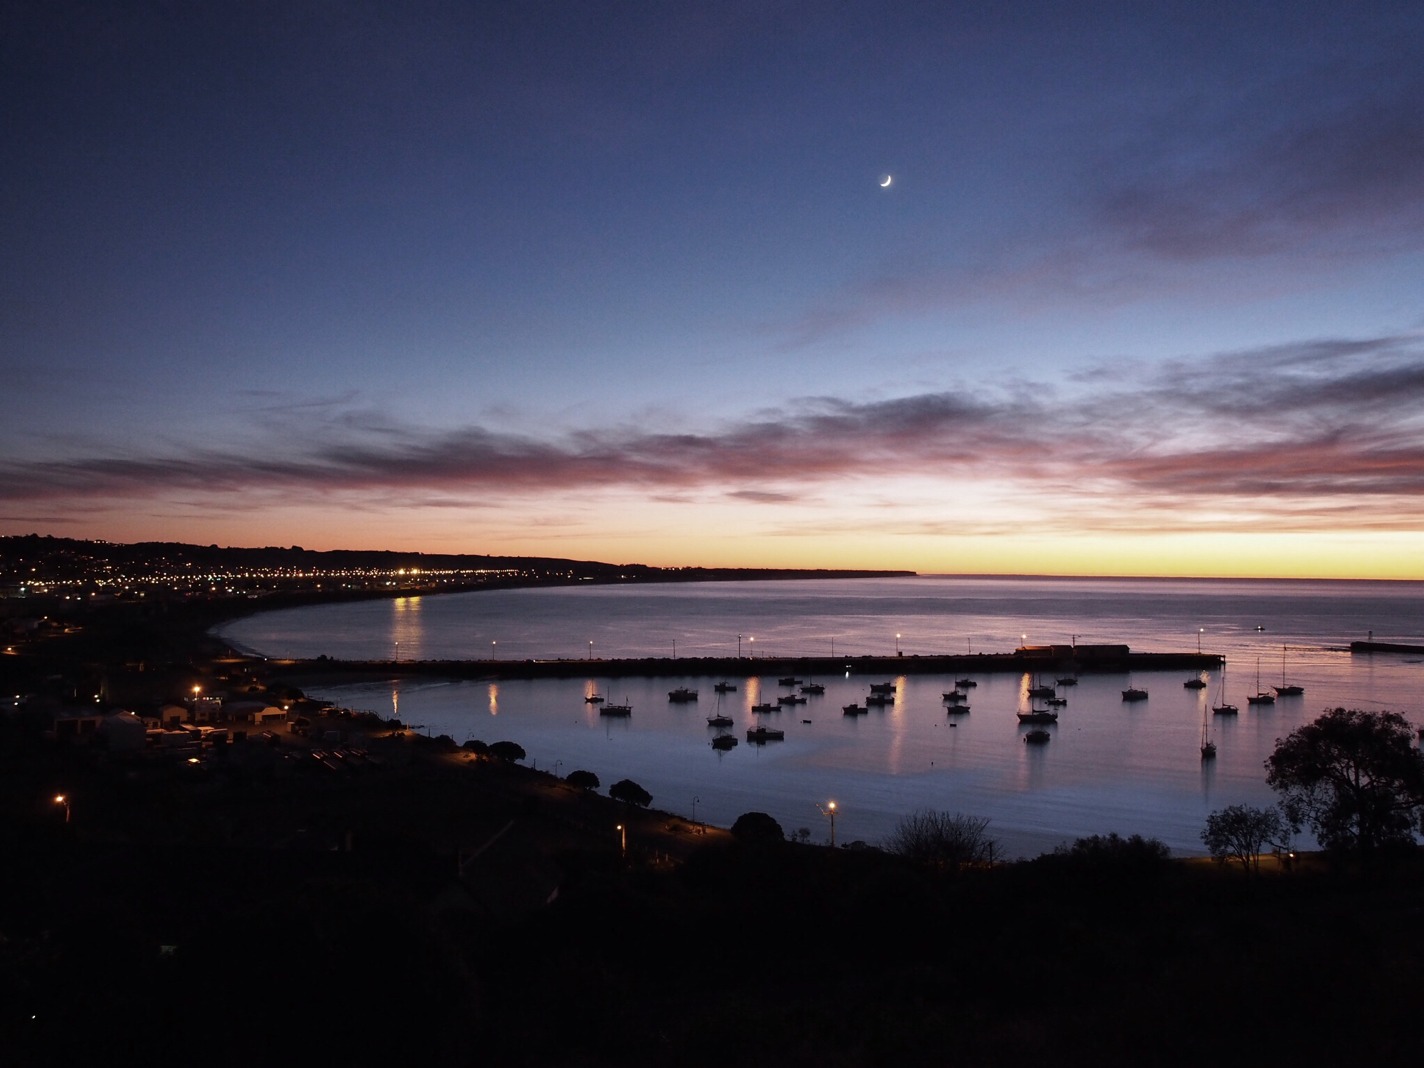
<point x="408" y="628"/>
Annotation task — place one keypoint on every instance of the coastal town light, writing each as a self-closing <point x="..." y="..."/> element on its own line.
<point x="60" y="799"/>
<point x="623" y="839"/>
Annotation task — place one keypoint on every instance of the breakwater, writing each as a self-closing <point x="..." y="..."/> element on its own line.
<point x="1086" y="661"/>
<point x="1384" y="647"/>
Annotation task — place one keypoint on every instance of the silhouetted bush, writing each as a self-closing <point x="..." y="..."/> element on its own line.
<point x="507" y="751"/>
<point x="629" y="791"/>
<point x="584" y="780"/>
<point x="942" y="840"/>
<point x="1109" y="861"/>
<point x="755" y="827"/>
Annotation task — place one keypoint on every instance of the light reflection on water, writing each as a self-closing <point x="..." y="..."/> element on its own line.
<point x="1110" y="766"/>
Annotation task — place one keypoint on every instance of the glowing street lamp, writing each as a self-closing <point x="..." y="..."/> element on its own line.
<point x="590" y="649"/>
<point x="492" y="645"/>
<point x="751" y="647"/>
<point x="829" y="809"/>
<point x="623" y="839"/>
<point x="60" y="799"/>
<point x="1199" y="634"/>
<point x="897" y="643"/>
<point x="739" y="646"/>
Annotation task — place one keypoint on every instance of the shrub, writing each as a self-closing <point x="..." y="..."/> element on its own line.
<point x="507" y="751"/>
<point x="629" y="791"/>
<point x="944" y="840"/>
<point x="754" y="827"/>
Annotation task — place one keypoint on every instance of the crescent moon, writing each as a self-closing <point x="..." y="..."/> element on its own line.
<point x="885" y="183"/>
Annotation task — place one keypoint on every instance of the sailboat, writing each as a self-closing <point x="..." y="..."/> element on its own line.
<point x="1287" y="689"/>
<point x="718" y="717"/>
<point x="1221" y="708"/>
<point x="1208" y="747"/>
<point x="616" y="710"/>
<point x="1260" y="697"/>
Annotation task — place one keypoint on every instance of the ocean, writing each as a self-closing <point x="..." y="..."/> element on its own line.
<point x="1110" y="766"/>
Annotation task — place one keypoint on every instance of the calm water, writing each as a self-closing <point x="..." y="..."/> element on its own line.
<point x="1111" y="766"/>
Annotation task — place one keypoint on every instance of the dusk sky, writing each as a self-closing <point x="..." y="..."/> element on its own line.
<point x="1144" y="293"/>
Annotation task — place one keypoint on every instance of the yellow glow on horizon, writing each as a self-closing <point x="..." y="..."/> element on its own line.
<point x="997" y="538"/>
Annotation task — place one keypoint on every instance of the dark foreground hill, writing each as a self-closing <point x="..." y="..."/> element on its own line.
<point x="440" y="909"/>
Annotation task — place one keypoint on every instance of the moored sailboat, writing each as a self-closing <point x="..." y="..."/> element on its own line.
<point x="1287" y="689"/>
<point x="1260" y="697"/>
<point x="1222" y="706"/>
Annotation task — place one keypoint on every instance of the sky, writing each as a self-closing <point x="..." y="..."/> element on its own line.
<point x="1092" y="288"/>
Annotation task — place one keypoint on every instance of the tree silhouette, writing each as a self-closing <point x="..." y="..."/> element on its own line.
<point x="629" y="791"/>
<point x="942" y="840"/>
<point x="1352" y="777"/>
<point x="584" y="780"/>
<point x="507" y="751"/>
<point x="757" y="827"/>
<point x="1240" y="831"/>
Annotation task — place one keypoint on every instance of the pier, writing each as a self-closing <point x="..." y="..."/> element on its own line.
<point x="1086" y="660"/>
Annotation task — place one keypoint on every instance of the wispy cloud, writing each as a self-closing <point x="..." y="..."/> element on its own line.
<point x="1310" y="428"/>
<point x="1310" y="184"/>
<point x="1349" y="175"/>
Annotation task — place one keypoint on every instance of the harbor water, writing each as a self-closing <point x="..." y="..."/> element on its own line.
<point x="1110" y="765"/>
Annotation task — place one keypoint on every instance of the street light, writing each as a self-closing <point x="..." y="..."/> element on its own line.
<point x="829" y="809"/>
<point x="60" y="799"/>
<point x="739" y="646"/>
<point x="897" y="643"/>
<point x="590" y="649"/>
<point x="751" y="647"/>
<point x="623" y="839"/>
<point x="493" y="643"/>
<point x="1199" y="634"/>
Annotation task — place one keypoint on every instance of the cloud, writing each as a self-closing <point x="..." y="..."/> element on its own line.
<point x="1304" y="430"/>
<point x="1308" y="181"/>
<point x="762" y="497"/>
<point x="1349" y="175"/>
